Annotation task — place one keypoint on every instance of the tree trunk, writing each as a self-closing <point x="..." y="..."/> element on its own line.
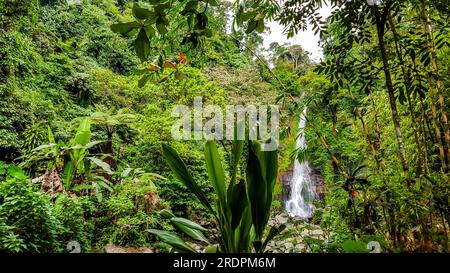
<point x="407" y="80"/>
<point x="444" y="142"/>
<point x="333" y="110"/>
<point x="390" y="90"/>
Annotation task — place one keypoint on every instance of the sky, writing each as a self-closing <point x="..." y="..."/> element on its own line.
<point x="306" y="39"/>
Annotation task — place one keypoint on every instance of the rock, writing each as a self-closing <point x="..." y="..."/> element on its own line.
<point x="316" y="232"/>
<point x="286" y="177"/>
<point x="111" y="248"/>
<point x="299" y="247"/>
<point x="281" y="219"/>
<point x="305" y="233"/>
<point x="318" y="184"/>
<point x="289" y="245"/>
<point x="198" y="248"/>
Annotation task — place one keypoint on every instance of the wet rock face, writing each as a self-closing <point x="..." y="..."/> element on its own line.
<point x="285" y="178"/>
<point x="317" y="183"/>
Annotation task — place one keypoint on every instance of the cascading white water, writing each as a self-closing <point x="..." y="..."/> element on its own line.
<point x="302" y="193"/>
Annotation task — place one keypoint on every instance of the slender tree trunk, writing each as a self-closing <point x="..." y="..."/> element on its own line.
<point x="423" y="140"/>
<point x="393" y="230"/>
<point x="390" y="90"/>
<point x="379" y="142"/>
<point x="333" y="110"/>
<point x="407" y="82"/>
<point x="444" y="144"/>
<point x="108" y="149"/>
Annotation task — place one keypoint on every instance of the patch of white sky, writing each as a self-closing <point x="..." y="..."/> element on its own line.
<point x="306" y="39"/>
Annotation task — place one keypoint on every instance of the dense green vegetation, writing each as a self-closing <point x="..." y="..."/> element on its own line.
<point x="87" y="91"/>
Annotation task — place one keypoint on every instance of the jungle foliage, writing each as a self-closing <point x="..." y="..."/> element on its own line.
<point x="86" y="95"/>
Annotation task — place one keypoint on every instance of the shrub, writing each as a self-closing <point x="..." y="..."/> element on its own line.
<point x="129" y="230"/>
<point x="31" y="222"/>
<point x="9" y="241"/>
<point x="130" y="211"/>
<point x="28" y="214"/>
<point x="73" y="214"/>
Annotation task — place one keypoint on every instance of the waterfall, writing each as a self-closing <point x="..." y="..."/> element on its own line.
<point x="302" y="193"/>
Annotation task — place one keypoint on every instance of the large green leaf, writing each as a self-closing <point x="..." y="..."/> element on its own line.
<point x="78" y="143"/>
<point x="262" y="171"/>
<point x="211" y="249"/>
<point x="173" y="240"/>
<point x="190" y="228"/>
<point x="188" y="223"/>
<point x="191" y="6"/>
<point x="161" y="27"/>
<point x="142" y="13"/>
<point x="244" y="232"/>
<point x="237" y="203"/>
<point x="83" y="134"/>
<point x="124" y="28"/>
<point x="256" y="188"/>
<point x="142" y="45"/>
<point x="166" y="214"/>
<point x="178" y="167"/>
<point x="270" y="166"/>
<point x="274" y="231"/>
<point x="215" y="171"/>
<point x="150" y="31"/>
<point x="238" y="148"/>
<point x="102" y="164"/>
<point x="68" y="174"/>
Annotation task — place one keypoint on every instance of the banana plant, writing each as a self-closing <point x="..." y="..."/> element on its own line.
<point x="72" y="160"/>
<point x="241" y="208"/>
<point x="79" y="162"/>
